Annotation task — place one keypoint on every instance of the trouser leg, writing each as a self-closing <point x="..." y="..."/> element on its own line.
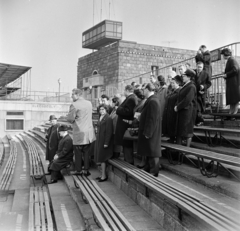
<point x="128" y="155"/>
<point x="235" y="108"/>
<point x="54" y="175"/>
<point x="154" y="165"/>
<point x="78" y="158"/>
<point x="85" y="152"/>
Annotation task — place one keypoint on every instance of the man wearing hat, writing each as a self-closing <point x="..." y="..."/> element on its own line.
<point x="202" y="82"/>
<point x="52" y="138"/>
<point x="232" y="77"/>
<point x="63" y="155"/>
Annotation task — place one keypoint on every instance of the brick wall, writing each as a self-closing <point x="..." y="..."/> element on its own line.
<point x="124" y="60"/>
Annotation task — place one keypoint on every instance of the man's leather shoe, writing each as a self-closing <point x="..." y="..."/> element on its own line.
<point x="139" y="166"/>
<point x="77" y="173"/>
<point x="102" y="180"/>
<point x="48" y="173"/>
<point x="87" y="173"/>
<point x="52" y="182"/>
<point x="156" y="174"/>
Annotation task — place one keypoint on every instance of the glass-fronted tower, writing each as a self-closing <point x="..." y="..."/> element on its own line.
<point x="102" y="34"/>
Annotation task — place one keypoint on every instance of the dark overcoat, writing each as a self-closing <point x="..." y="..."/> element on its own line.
<point x="206" y="59"/>
<point x="104" y="137"/>
<point x="124" y="111"/>
<point x="186" y="110"/>
<point x="150" y="126"/>
<point x="232" y="71"/>
<point x="162" y="94"/>
<point x="53" y="139"/>
<point x="64" y="152"/>
<point x="170" y="116"/>
<point x="204" y="79"/>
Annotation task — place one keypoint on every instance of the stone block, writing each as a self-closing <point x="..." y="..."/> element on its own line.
<point x="170" y="208"/>
<point x="156" y="198"/>
<point x="132" y="193"/>
<point x="143" y="202"/>
<point x="111" y="176"/>
<point x="117" y="181"/>
<point x="125" y="187"/>
<point x="157" y="213"/>
<point x="132" y="183"/>
<point x="190" y="223"/>
<point x="168" y="222"/>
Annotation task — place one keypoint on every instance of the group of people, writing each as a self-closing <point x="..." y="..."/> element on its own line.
<point x="164" y="107"/>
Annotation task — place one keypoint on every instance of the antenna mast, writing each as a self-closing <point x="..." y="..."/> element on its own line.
<point x="93" y="12"/>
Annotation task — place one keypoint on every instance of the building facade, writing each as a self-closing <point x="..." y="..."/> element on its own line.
<point x="111" y="68"/>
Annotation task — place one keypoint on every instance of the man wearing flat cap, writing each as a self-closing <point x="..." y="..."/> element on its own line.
<point x="52" y="138"/>
<point x="232" y="77"/>
<point x="63" y="155"/>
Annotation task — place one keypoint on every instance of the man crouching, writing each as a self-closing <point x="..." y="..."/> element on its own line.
<point x="63" y="156"/>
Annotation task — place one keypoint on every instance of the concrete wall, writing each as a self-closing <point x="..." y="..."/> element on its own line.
<point x="34" y="113"/>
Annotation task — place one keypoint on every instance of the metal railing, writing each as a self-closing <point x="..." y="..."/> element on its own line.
<point x="39" y="96"/>
<point x="216" y="93"/>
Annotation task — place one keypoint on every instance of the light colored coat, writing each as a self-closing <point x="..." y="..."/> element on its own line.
<point x="80" y="115"/>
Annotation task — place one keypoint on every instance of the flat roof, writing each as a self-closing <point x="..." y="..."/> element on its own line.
<point x="10" y="72"/>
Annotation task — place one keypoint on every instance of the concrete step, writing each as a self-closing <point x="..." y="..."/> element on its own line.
<point x="166" y="211"/>
<point x="6" y="201"/>
<point x="135" y="215"/>
<point x="66" y="212"/>
<point x="228" y="187"/>
<point x="10" y="221"/>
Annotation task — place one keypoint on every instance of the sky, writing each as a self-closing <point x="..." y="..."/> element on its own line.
<point x="47" y="34"/>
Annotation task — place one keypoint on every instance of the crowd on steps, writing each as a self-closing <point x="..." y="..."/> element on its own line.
<point x="167" y="105"/>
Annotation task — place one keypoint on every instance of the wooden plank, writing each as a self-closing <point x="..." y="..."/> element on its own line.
<point x="36" y="207"/>
<point x="92" y="204"/>
<point x="198" y="210"/>
<point x="43" y="215"/>
<point x="120" y="216"/>
<point x="225" y="115"/>
<point x="31" y="211"/>
<point x="108" y="209"/>
<point x="215" y="129"/>
<point x="230" y="160"/>
<point x="48" y="211"/>
<point x="105" y="214"/>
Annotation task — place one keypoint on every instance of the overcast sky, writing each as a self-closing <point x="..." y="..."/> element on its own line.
<point x="47" y="34"/>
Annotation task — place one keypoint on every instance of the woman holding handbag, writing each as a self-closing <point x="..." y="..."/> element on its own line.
<point x="104" y="143"/>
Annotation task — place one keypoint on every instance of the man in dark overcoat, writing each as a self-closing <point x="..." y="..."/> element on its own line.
<point x="232" y="77"/>
<point x="203" y="82"/>
<point x="52" y="138"/>
<point x="204" y="56"/>
<point x="63" y="156"/>
<point x="149" y="135"/>
<point x="125" y="112"/>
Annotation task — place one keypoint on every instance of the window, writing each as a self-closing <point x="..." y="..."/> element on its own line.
<point x="14" y="124"/>
<point x="95" y="72"/>
<point x="15" y="113"/>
